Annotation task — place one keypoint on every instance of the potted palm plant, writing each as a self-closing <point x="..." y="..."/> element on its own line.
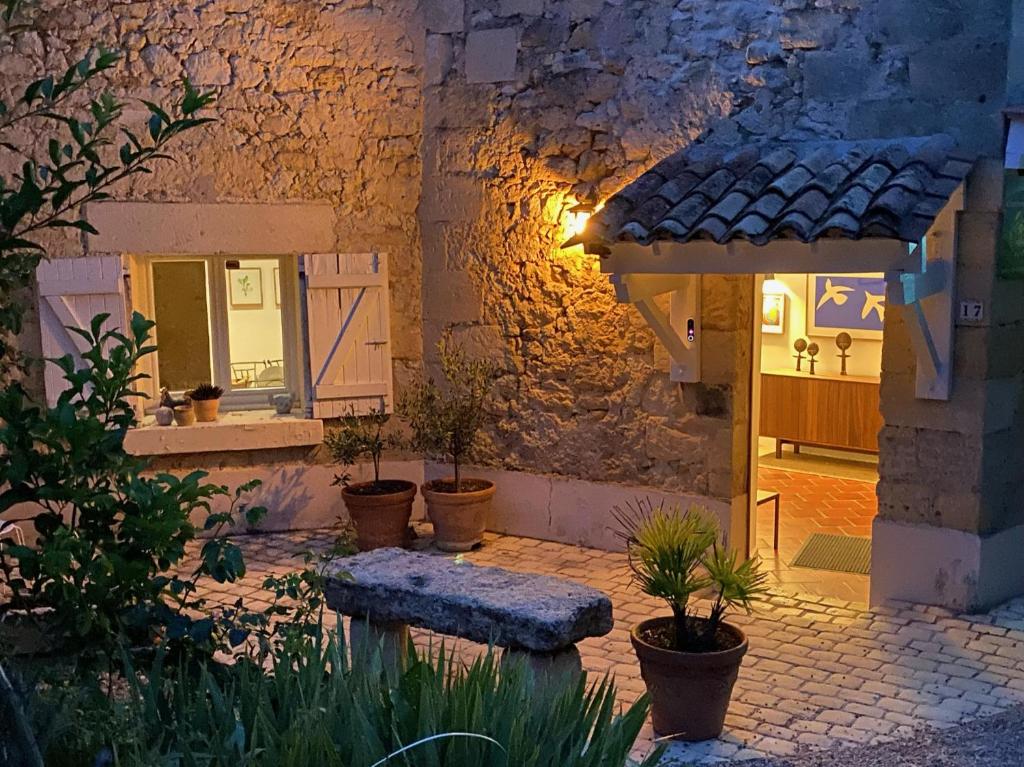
<point x="381" y="509"/>
<point x="445" y="420"/>
<point x="688" y="661"/>
<point x="206" y="401"/>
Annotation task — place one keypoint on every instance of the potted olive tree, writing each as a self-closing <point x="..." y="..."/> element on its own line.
<point x="689" y="661"/>
<point x="381" y="509"/>
<point x="445" y="420"/>
<point x="206" y="401"/>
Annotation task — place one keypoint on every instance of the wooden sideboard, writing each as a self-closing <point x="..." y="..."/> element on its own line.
<point x="824" y="410"/>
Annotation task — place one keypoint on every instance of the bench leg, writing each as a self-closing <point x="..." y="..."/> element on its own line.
<point x="778" y="448"/>
<point x="391" y="639"/>
<point x="548" y="666"/>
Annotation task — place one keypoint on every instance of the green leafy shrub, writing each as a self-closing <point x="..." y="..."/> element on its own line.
<point x="81" y="162"/>
<point x="676" y="555"/>
<point x="110" y="536"/>
<point x="358" y="437"/>
<point x="446" y="417"/>
<point x="317" y="708"/>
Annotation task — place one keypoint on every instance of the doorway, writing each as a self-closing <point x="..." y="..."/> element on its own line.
<point x="814" y="429"/>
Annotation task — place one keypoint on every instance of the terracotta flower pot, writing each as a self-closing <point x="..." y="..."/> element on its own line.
<point x="380" y="512"/>
<point x="206" y="409"/>
<point x="689" y="691"/>
<point x="184" y="415"/>
<point x="459" y="519"/>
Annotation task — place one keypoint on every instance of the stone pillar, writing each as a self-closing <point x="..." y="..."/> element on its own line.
<point x="548" y="667"/>
<point x="950" y="524"/>
<point x="390" y="639"/>
<point x="727" y="323"/>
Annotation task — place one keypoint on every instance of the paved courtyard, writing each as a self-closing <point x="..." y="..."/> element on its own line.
<point x="820" y="674"/>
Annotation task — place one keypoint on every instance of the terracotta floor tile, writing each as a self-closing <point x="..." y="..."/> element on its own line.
<point x="812" y="503"/>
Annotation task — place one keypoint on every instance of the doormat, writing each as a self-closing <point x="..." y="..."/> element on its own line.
<point x="838" y="553"/>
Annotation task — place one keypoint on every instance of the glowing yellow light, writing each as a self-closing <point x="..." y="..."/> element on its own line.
<point x="772" y="286"/>
<point x="579" y="216"/>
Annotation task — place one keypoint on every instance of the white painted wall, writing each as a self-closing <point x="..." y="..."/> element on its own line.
<point x="777" y="350"/>
<point x="568" y="510"/>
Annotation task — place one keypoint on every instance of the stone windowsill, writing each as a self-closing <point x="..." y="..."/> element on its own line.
<point x="241" y="430"/>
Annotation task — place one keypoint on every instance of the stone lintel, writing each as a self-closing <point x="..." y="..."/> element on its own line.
<point x="172" y="228"/>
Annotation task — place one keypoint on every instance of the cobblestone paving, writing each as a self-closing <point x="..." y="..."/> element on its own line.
<point x="820" y="674"/>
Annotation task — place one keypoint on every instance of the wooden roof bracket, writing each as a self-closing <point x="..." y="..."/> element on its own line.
<point x="680" y="329"/>
<point x="926" y="298"/>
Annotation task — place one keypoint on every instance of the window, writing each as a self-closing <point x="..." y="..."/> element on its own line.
<point x="317" y="326"/>
<point x="229" y="320"/>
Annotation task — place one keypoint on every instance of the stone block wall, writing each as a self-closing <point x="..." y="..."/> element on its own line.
<point x="960" y="464"/>
<point x="951" y="489"/>
<point x="531" y="105"/>
<point x="316" y="102"/>
<point x="457" y="134"/>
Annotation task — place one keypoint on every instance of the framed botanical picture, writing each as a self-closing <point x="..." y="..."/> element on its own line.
<point x="854" y="303"/>
<point x="773" y="313"/>
<point x="246" y="288"/>
<point x="277" y="287"/>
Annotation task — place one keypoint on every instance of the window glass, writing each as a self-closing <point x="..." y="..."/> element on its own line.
<point x="182" y="313"/>
<point x="255" y="336"/>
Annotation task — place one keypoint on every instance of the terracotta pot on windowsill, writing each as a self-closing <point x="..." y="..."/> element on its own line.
<point x="380" y="512"/>
<point x="690" y="691"/>
<point x="206" y="409"/>
<point x="459" y="518"/>
<point x="184" y="415"/>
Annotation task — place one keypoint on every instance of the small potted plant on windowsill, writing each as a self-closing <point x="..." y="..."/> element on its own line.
<point x="206" y="401"/>
<point x="381" y="509"/>
<point x="445" y="420"/>
<point x="184" y="412"/>
<point x="688" y="661"/>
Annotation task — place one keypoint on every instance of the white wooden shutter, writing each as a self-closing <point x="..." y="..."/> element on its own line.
<point x="71" y="292"/>
<point x="348" y="318"/>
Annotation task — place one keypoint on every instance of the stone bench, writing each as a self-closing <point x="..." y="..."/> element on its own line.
<point x="537" y="615"/>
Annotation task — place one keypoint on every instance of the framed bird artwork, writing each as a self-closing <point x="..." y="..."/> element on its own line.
<point x="854" y="303"/>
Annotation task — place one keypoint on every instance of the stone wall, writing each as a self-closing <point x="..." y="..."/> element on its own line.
<point x="316" y="102"/>
<point x="532" y="105"/>
<point x="456" y="135"/>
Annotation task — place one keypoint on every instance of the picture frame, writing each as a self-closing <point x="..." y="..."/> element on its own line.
<point x="851" y="303"/>
<point x="277" y="287"/>
<point x="773" y="313"/>
<point x="245" y="287"/>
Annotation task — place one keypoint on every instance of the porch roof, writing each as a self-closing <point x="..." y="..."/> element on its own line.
<point x="890" y="189"/>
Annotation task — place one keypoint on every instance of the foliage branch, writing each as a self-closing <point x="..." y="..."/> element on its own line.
<point x="676" y="556"/>
<point x="359" y="437"/>
<point x="110" y="534"/>
<point x="446" y="418"/>
<point x="72" y="158"/>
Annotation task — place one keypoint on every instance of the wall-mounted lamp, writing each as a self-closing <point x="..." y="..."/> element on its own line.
<point x="772" y="286"/>
<point x="579" y="216"/>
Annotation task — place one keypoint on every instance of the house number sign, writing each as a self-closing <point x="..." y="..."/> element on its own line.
<point x="972" y="311"/>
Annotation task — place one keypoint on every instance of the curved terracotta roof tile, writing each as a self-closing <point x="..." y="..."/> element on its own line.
<point x="890" y="188"/>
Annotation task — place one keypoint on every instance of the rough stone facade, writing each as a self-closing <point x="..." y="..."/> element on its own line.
<point x="600" y="91"/>
<point x="456" y="134"/>
<point x="316" y="102"/>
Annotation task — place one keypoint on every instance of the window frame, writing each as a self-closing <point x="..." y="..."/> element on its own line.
<point x="142" y="299"/>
